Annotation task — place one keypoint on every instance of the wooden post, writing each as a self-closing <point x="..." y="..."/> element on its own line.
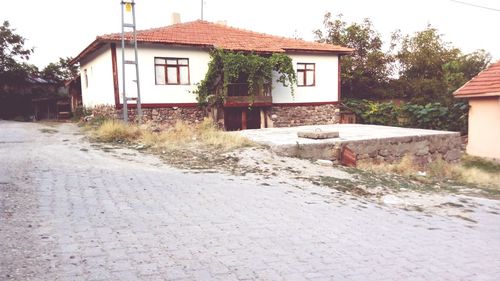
<point x="263" y="119"/>
<point x="244" y="119"/>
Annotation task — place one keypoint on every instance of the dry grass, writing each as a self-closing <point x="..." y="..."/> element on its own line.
<point x="204" y="135"/>
<point x="478" y="176"/>
<point x="442" y="169"/>
<point x="480" y="171"/>
<point x="180" y="137"/>
<point x="471" y="170"/>
<point x="116" y="131"/>
<point x="406" y="166"/>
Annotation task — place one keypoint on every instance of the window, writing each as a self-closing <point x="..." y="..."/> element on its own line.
<point x="86" y="78"/>
<point x="172" y="71"/>
<point x="306" y="74"/>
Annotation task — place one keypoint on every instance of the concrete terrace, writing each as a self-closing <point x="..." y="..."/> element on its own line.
<point x="368" y="141"/>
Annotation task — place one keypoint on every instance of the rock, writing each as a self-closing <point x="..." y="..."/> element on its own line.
<point x="323" y="162"/>
<point x="392" y="200"/>
<point x="422" y="151"/>
<point x="88" y="118"/>
<point x="453" y="155"/>
<point x="421" y="174"/>
<point x="383" y="152"/>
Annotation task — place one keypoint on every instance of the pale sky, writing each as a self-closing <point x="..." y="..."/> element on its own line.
<point x="60" y="28"/>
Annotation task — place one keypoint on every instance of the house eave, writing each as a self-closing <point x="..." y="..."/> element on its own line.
<point x="478" y="95"/>
<point x="324" y="52"/>
<point x="99" y="42"/>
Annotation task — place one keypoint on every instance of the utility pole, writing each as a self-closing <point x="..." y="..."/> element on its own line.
<point x="127" y="7"/>
<point x="202" y="9"/>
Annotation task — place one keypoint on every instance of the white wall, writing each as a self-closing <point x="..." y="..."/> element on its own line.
<point x="100" y="89"/>
<point x="326" y="88"/>
<point x="100" y="78"/>
<point x="152" y="93"/>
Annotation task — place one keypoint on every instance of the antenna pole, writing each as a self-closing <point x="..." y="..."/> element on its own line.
<point x="202" y="9"/>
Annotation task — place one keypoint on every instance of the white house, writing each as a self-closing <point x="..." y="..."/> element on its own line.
<point x="173" y="59"/>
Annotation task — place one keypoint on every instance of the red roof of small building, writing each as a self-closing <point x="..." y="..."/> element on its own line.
<point x="211" y="35"/>
<point x="486" y="83"/>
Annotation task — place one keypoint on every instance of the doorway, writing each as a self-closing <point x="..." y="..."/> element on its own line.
<point x="242" y="118"/>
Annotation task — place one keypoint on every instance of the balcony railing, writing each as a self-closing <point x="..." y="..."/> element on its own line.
<point x="238" y="95"/>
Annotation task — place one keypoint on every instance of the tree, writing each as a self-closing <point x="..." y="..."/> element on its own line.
<point x="13" y="57"/>
<point x="430" y="69"/>
<point x="60" y="71"/>
<point x="14" y="71"/>
<point x="366" y="73"/>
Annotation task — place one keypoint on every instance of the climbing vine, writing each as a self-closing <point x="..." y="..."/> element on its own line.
<point x="227" y="67"/>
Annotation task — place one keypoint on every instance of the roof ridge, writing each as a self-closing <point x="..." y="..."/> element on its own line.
<point x="221" y="26"/>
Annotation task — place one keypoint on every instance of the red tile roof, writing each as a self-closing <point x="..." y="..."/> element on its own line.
<point x="210" y="35"/>
<point x="486" y="83"/>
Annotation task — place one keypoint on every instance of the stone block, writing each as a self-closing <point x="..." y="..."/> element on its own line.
<point x="318" y="134"/>
<point x="452" y="155"/>
<point x="422" y="151"/>
<point x="384" y="152"/>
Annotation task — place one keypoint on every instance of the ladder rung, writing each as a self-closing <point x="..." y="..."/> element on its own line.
<point x="131" y="25"/>
<point x="130" y="62"/>
<point x="131" y="98"/>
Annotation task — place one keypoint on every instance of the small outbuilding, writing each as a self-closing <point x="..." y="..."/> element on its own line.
<point x="483" y="92"/>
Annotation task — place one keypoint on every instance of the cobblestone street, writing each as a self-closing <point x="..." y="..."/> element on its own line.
<point x="72" y="211"/>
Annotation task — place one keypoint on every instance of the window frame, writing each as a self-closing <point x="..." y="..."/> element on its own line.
<point x="302" y="70"/>
<point x="178" y="67"/>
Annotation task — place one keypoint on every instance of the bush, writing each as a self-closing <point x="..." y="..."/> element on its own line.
<point x="429" y="116"/>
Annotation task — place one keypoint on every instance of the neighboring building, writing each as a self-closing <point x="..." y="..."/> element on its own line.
<point x="483" y="92"/>
<point x="173" y="59"/>
<point x="74" y="87"/>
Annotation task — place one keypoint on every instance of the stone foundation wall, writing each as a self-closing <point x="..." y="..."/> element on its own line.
<point x="288" y="116"/>
<point x="279" y="116"/>
<point x="163" y="116"/>
<point x="423" y="149"/>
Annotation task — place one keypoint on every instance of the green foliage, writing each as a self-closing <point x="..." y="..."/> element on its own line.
<point x="421" y="68"/>
<point x="430" y="69"/>
<point x="376" y="113"/>
<point x="60" y="71"/>
<point x="13" y="57"/>
<point x="228" y="67"/>
<point x="429" y="116"/>
<point x="366" y="72"/>
<point x="12" y="50"/>
<point x="14" y="71"/>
